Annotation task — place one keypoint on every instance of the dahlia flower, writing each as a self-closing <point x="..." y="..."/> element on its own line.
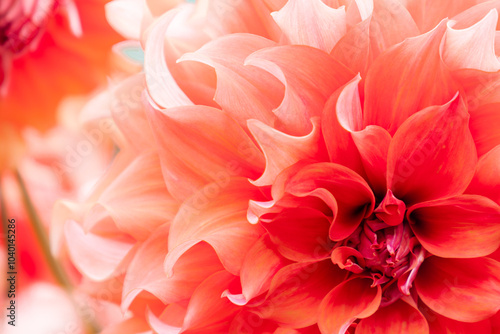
<point x="299" y="167"/>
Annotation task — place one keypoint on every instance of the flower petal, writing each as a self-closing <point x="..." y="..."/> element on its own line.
<point x="465" y="290"/>
<point x="343" y="115"/>
<point x="138" y="200"/>
<point x="146" y="273"/>
<point x="296" y="293"/>
<point x="399" y="317"/>
<point x="259" y="267"/>
<point x="397" y="84"/>
<point x="432" y="155"/>
<point x="190" y="137"/>
<point x="95" y="256"/>
<point x="443" y="325"/>
<point x="161" y="84"/>
<point x="486" y="180"/>
<point x="473" y="47"/>
<point x="311" y="23"/>
<point x="390" y="24"/>
<point x="351" y="300"/>
<point x="216" y="214"/>
<point x="206" y="308"/>
<point x="310" y="76"/>
<point x="458" y="227"/>
<point x="241" y="91"/>
<point x="353" y="196"/>
<point x="282" y="150"/>
<point x="485" y="134"/>
<point x="298" y="234"/>
<point x="373" y="145"/>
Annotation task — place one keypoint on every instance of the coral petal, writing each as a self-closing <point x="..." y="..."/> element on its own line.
<point x="397" y="83"/>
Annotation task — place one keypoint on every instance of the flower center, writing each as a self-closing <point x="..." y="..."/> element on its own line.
<point x="385" y="248"/>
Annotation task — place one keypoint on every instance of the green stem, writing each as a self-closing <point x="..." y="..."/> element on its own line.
<point x="59" y="274"/>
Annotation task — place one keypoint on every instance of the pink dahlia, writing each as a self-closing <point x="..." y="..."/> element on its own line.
<point x="301" y="167"/>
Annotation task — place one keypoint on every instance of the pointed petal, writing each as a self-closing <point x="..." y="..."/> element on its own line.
<point x="125" y="17"/>
<point x="310" y="76"/>
<point x="351" y="300"/>
<point x="138" y="200"/>
<point x="432" y="155"/>
<point x="397" y="83"/>
<point x="282" y="150"/>
<point x="161" y="84"/>
<point x="259" y="267"/>
<point x="95" y="256"/>
<point x="217" y="215"/>
<point x="311" y="23"/>
<point x="296" y="232"/>
<point x="483" y="129"/>
<point x="458" y="227"/>
<point x="352" y="194"/>
<point x="465" y="290"/>
<point x="390" y="24"/>
<point x="146" y="273"/>
<point x="373" y="145"/>
<point x="486" y="180"/>
<point x="474" y="14"/>
<point x="206" y="307"/>
<point x="473" y="47"/>
<point x="399" y="317"/>
<point x="296" y="293"/>
<point x="343" y="115"/>
<point x="241" y="91"/>
<point x="353" y="49"/>
<point x="190" y="137"/>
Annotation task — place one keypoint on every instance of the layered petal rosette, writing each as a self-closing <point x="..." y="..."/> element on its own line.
<point x="302" y="167"/>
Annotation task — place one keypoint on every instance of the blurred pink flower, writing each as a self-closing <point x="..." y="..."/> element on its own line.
<point x="300" y="167"/>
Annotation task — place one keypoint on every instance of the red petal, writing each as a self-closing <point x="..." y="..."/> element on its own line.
<point x="206" y="307"/>
<point x="486" y="180"/>
<point x="343" y="115"/>
<point x="190" y="137"/>
<point x="398" y="82"/>
<point x="311" y="23"/>
<point x="483" y="125"/>
<point x="354" y="198"/>
<point x="310" y="76"/>
<point x="432" y="155"/>
<point x="216" y="214"/>
<point x="373" y="145"/>
<point x="351" y="300"/>
<point x="461" y="289"/>
<point x="261" y="263"/>
<point x="442" y="325"/>
<point x="342" y="256"/>
<point x="399" y="317"/>
<point x="296" y="293"/>
<point x="297" y="232"/>
<point x="458" y="227"/>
